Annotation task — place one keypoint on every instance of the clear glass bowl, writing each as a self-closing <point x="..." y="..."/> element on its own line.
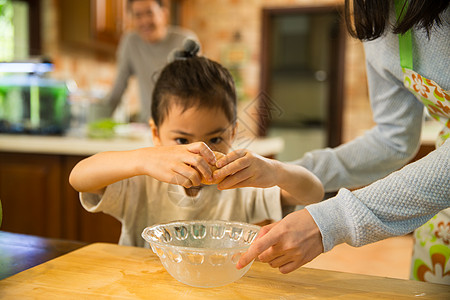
<point x="202" y="253"/>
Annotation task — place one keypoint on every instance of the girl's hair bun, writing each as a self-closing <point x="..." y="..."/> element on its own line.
<point x="190" y="49"/>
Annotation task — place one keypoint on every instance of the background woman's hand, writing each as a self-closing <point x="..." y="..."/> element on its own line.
<point x="242" y="168"/>
<point x="287" y="244"/>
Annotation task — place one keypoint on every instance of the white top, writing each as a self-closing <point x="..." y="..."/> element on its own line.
<point x="142" y="201"/>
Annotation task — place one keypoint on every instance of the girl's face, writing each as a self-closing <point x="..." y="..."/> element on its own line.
<point x="196" y="124"/>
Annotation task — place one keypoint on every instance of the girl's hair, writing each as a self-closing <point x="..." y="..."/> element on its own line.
<point x="193" y="81"/>
<point x="367" y="19"/>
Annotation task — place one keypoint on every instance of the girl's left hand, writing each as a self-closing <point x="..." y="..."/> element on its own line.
<point x="242" y="168"/>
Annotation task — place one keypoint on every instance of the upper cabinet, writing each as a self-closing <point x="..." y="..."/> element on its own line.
<point x="109" y="20"/>
<point x="91" y="24"/>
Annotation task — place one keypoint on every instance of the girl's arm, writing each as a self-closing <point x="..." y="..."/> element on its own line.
<point x="181" y="164"/>
<point x="298" y="185"/>
<point x="243" y="168"/>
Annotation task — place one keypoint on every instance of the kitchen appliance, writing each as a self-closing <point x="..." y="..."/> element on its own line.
<point x="30" y="101"/>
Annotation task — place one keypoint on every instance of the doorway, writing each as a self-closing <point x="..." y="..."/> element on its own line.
<point x="302" y="67"/>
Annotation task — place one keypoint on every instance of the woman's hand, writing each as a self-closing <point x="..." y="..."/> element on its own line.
<point x="180" y="164"/>
<point x="242" y="168"/>
<point x="287" y="244"/>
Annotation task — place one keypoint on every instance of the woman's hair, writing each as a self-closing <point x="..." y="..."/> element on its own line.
<point x="368" y="19"/>
<point x="193" y="81"/>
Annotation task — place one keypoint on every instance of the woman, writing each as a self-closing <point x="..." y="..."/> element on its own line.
<point x="408" y="68"/>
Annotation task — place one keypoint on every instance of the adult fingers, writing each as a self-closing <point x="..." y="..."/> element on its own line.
<point x="290" y="266"/>
<point x="280" y="261"/>
<point x="258" y="247"/>
<point x="265" y="229"/>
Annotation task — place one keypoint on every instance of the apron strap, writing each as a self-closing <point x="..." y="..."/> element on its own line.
<point x="404" y="40"/>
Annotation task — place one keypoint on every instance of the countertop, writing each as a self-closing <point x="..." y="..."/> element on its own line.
<point x="109" y="271"/>
<point x="72" y="145"/>
<point x="75" y="145"/>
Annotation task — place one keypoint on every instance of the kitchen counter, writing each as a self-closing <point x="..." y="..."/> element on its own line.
<point x="71" y="145"/>
<point x="109" y="271"/>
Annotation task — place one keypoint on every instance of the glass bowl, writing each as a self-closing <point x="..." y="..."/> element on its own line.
<point x="202" y="253"/>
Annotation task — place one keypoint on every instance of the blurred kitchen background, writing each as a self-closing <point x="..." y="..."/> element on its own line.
<point x="294" y="63"/>
<point x="301" y="83"/>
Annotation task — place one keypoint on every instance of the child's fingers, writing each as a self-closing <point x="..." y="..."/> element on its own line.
<point x="230" y="157"/>
<point x="199" y="164"/>
<point x="231" y="168"/>
<point x="190" y="176"/>
<point x="238" y="180"/>
<point x="203" y="149"/>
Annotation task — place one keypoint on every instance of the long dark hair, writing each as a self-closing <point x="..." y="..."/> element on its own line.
<point x="367" y="19"/>
<point x="194" y="82"/>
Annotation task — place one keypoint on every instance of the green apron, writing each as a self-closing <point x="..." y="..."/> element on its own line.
<point x="430" y="261"/>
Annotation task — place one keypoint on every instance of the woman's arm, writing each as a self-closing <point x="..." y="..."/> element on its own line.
<point x="391" y="143"/>
<point x="392" y="206"/>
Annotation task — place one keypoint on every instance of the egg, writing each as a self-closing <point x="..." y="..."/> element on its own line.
<point x="218" y="155"/>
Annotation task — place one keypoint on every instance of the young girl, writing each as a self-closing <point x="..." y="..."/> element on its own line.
<point x="193" y="113"/>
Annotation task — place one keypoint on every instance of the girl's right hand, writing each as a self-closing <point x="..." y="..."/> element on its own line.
<point x="179" y="164"/>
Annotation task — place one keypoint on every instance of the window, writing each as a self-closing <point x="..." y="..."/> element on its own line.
<point x="20" y="29"/>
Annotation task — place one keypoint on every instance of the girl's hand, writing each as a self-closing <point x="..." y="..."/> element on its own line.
<point x="179" y="164"/>
<point x="287" y="244"/>
<point x="242" y="168"/>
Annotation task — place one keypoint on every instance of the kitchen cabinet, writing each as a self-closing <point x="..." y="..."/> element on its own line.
<point x="91" y="24"/>
<point x="98" y="24"/>
<point x="109" y="18"/>
<point x="38" y="199"/>
<point x="29" y="194"/>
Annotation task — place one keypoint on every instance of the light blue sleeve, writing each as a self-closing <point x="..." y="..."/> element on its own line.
<point x="395" y="205"/>
<point x="386" y="147"/>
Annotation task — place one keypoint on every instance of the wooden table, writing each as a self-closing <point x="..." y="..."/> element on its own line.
<point x="104" y="270"/>
<point x="19" y="252"/>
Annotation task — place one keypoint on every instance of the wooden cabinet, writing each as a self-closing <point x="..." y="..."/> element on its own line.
<point x="38" y="199"/>
<point x="80" y="224"/>
<point x="29" y="193"/>
<point x="109" y="20"/>
<point x="91" y="24"/>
